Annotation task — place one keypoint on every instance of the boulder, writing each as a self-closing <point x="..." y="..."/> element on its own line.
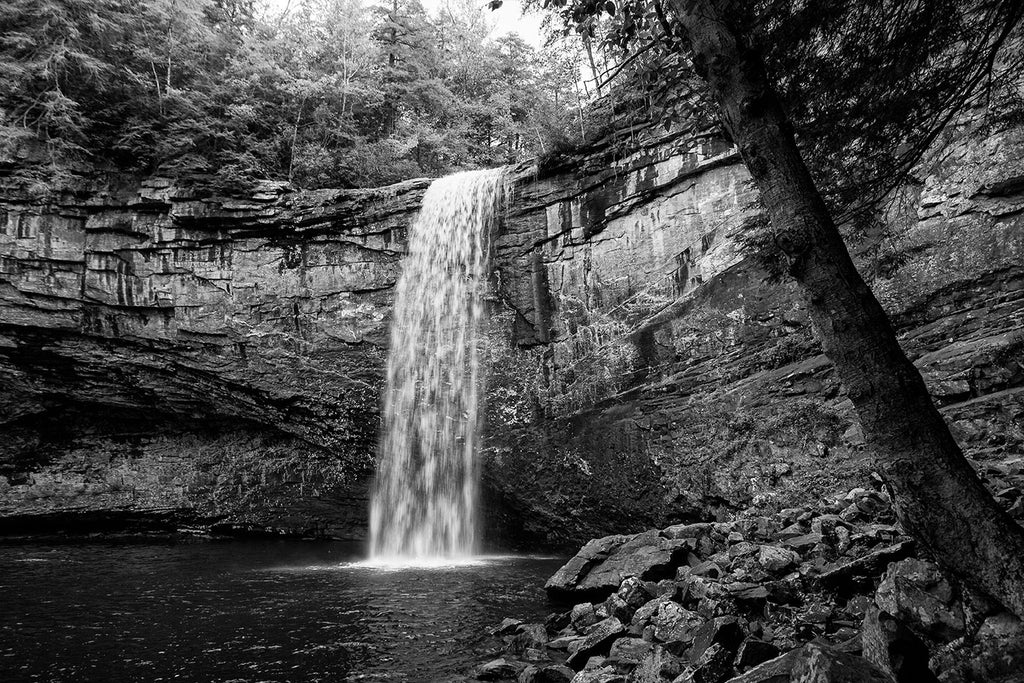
<point x="772" y="671"/>
<point x="674" y="623"/>
<point x="597" y="641"/>
<point x="752" y="652"/>
<point x="616" y="607"/>
<point x="916" y="593"/>
<point x="724" y="631"/>
<point x="861" y="573"/>
<point x="527" y="637"/>
<point x="775" y="559"/>
<point x="645" y="613"/>
<point x="634" y="592"/>
<point x="600" y="567"/>
<point x="499" y="670"/>
<point x="696" y="530"/>
<point x="894" y="648"/>
<point x="816" y="663"/>
<point x="804" y="542"/>
<point x="564" y="642"/>
<point x="507" y="627"/>
<point x="605" y="674"/>
<point x="657" y="666"/>
<point x="994" y="655"/>
<point x="629" y="651"/>
<point x="583" y="616"/>
<point x="713" y="666"/>
<point x="546" y="674"/>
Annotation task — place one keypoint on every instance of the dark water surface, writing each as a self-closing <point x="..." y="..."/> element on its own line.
<point x="249" y="611"/>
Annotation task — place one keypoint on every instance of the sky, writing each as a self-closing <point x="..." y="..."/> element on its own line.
<point x="507" y="19"/>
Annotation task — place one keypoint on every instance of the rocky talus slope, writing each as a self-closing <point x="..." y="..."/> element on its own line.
<point x="827" y="593"/>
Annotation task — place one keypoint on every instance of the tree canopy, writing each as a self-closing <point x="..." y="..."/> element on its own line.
<point x="867" y="85"/>
<point x="335" y="93"/>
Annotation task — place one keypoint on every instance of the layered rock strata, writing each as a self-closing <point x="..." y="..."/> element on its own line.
<point x="210" y="360"/>
<point x="667" y="377"/>
<point x="171" y="358"/>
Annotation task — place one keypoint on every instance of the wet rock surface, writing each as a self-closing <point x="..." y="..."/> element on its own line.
<point x="848" y="602"/>
<point x="676" y="383"/>
<point x="174" y="359"/>
<point x="642" y="373"/>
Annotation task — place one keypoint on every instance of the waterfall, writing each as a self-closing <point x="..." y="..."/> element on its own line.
<point x="424" y="495"/>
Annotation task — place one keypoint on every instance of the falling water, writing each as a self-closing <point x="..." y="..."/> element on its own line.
<point x="425" y="491"/>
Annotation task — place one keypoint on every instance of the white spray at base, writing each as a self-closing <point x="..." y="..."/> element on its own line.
<point x="423" y="503"/>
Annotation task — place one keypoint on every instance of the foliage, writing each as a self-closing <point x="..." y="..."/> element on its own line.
<point x="330" y="93"/>
<point x="866" y="84"/>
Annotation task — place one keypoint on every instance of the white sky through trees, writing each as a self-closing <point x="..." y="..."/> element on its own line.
<point x="509" y="18"/>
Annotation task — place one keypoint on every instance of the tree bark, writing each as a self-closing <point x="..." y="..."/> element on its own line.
<point x="937" y="496"/>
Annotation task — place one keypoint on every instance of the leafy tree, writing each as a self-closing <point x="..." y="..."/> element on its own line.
<point x="331" y="93"/>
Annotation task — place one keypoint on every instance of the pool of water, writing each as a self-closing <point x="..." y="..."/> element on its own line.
<point x="250" y="611"/>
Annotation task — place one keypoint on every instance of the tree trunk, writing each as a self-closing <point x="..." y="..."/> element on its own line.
<point x="938" y="497"/>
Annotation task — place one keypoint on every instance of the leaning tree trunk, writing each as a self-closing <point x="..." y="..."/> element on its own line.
<point x="938" y="497"/>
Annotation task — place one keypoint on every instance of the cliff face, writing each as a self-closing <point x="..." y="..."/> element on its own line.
<point x="674" y="379"/>
<point x="179" y="359"/>
<point x="190" y="359"/>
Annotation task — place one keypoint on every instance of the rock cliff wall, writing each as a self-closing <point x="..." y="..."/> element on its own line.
<point x="179" y="359"/>
<point x="671" y="378"/>
<point x="168" y="358"/>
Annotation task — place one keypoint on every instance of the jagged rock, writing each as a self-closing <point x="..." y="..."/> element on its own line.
<point x="556" y="621"/>
<point x="646" y="612"/>
<point x="714" y="665"/>
<point x="804" y="542"/>
<point x="753" y="594"/>
<point x="752" y="652"/>
<point x="507" y="627"/>
<point x="564" y="642"/>
<point x="599" y="568"/>
<point x="724" y="631"/>
<point x="597" y="641"/>
<point x="657" y="666"/>
<point x="775" y="559"/>
<point x="994" y="655"/>
<point x="695" y="530"/>
<point x="816" y="663"/>
<point x="742" y="549"/>
<point x="894" y="648"/>
<point x="616" y="607"/>
<point x="707" y="568"/>
<point x="602" y="675"/>
<point x="582" y="616"/>
<point x="546" y="674"/>
<point x="919" y="595"/>
<point x="634" y="592"/>
<point x="499" y="670"/>
<point x="776" y="670"/>
<point x="861" y="572"/>
<point x="692" y="588"/>
<point x="828" y="524"/>
<point x="630" y="650"/>
<point x="674" y="623"/>
<point x="527" y="637"/>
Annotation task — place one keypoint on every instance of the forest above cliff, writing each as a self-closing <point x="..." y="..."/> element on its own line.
<point x="323" y="93"/>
